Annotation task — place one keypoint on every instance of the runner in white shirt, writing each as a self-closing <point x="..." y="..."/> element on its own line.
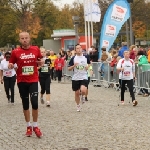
<point x="8" y="76"/>
<point x="79" y="64"/>
<point x="126" y="67"/>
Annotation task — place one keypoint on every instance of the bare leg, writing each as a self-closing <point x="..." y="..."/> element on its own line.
<point x="86" y="93"/>
<point x="47" y="97"/>
<point x="77" y="97"/>
<point x="83" y="90"/>
<point x="35" y="115"/>
<point x="27" y="115"/>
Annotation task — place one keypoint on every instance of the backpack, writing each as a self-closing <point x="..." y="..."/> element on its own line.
<point x="142" y="60"/>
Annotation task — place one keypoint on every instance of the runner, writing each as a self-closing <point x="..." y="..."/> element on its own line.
<point x="90" y="72"/>
<point x="126" y="67"/>
<point x="53" y="57"/>
<point x="26" y="57"/>
<point x="80" y="65"/>
<point x="8" y="76"/>
<point x="44" y="77"/>
<point x="58" y="66"/>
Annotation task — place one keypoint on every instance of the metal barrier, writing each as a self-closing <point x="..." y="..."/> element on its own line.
<point x="106" y="75"/>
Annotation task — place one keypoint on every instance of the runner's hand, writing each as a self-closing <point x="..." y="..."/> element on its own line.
<point x="87" y="67"/>
<point x="40" y="62"/>
<point x="10" y="66"/>
<point x="75" y="64"/>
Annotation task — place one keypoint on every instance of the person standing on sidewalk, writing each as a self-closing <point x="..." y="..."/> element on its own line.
<point x="126" y="67"/>
<point x="80" y="64"/>
<point x="44" y="77"/>
<point x="58" y="66"/>
<point x="27" y="57"/>
<point x="8" y="76"/>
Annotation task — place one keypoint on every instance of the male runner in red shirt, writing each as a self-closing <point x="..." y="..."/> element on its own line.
<point x="27" y="57"/>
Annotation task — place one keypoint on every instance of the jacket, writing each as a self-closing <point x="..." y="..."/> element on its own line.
<point x="59" y="63"/>
<point x="121" y="51"/>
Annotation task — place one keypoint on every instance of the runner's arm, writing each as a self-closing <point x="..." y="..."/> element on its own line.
<point x="1" y="74"/>
<point x="12" y="60"/>
<point x="71" y="64"/>
<point x="119" y="66"/>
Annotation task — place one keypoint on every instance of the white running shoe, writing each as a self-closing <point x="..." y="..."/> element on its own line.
<point x="78" y="108"/>
<point x="48" y="103"/>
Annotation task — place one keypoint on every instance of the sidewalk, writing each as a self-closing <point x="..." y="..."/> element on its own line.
<point x="101" y="124"/>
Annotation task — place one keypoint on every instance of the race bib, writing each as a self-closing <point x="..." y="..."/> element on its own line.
<point x="80" y="67"/>
<point x="8" y="73"/>
<point x="44" y="69"/>
<point x="27" y="70"/>
<point x="59" y="65"/>
<point x="127" y="73"/>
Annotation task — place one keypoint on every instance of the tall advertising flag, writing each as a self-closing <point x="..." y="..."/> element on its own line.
<point x="116" y="15"/>
<point x="92" y="11"/>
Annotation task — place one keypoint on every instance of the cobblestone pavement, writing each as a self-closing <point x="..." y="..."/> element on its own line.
<point x="101" y="125"/>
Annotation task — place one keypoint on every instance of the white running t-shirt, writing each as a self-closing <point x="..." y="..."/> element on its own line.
<point x="7" y="72"/>
<point x="80" y="73"/>
<point x="129" y="69"/>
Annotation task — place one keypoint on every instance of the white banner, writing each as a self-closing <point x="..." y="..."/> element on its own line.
<point x="118" y="13"/>
<point x="92" y="11"/>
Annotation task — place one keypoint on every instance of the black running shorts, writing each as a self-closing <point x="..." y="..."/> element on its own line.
<point x="77" y="84"/>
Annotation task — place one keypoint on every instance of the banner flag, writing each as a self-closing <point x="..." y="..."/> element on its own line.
<point x="92" y="11"/>
<point x="116" y="15"/>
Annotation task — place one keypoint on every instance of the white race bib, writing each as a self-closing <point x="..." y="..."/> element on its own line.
<point x="27" y="70"/>
<point x="8" y="73"/>
<point x="44" y="69"/>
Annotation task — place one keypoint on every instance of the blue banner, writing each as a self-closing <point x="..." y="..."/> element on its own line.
<point x="116" y="15"/>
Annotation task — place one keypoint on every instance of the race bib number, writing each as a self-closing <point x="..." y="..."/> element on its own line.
<point x="127" y="73"/>
<point x="27" y="70"/>
<point x="44" y="69"/>
<point x="80" y="67"/>
<point x="8" y="73"/>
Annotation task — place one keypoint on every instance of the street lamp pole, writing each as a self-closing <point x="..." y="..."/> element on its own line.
<point x="76" y="23"/>
<point x="131" y="31"/>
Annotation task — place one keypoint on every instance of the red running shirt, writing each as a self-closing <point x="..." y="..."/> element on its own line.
<point x="26" y="62"/>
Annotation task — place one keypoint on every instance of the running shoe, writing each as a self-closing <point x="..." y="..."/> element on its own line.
<point x="42" y="100"/>
<point x="9" y="99"/>
<point x="48" y="103"/>
<point x="29" y="131"/>
<point x="122" y="102"/>
<point x="78" y="108"/>
<point x="82" y="99"/>
<point x="135" y="103"/>
<point x="86" y="99"/>
<point x="37" y="132"/>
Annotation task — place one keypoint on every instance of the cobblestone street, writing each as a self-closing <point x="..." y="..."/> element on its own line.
<point x="101" y="124"/>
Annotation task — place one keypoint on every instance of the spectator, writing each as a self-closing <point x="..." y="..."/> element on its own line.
<point x="58" y="65"/>
<point x="94" y="55"/>
<point x="103" y="58"/>
<point x="123" y="48"/>
<point x="148" y="54"/>
<point x="132" y="52"/>
<point x="142" y="59"/>
<point x="69" y="55"/>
